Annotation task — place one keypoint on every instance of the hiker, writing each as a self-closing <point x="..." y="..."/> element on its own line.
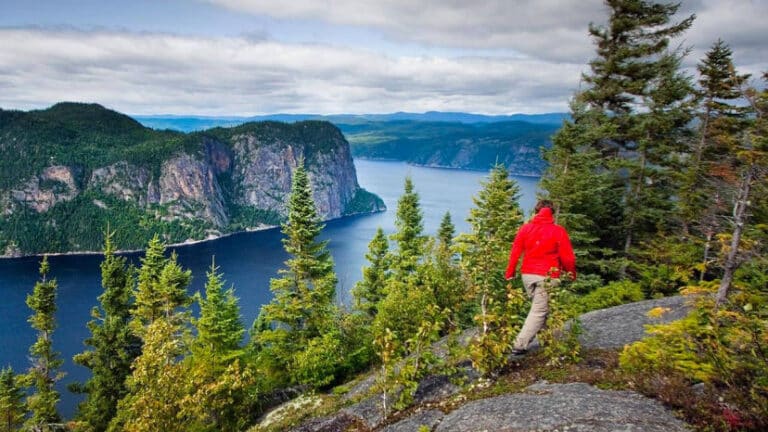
<point x="547" y="252"/>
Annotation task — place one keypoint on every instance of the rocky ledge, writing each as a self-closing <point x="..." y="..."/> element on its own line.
<point x="540" y="407"/>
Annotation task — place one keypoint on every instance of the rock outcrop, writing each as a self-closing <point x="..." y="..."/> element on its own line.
<point x="186" y="186"/>
<point x="540" y="407"/>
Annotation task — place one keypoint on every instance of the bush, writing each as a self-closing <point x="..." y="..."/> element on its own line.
<point x="613" y="294"/>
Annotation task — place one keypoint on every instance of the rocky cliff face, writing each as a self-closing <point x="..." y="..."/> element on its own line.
<point x="214" y="182"/>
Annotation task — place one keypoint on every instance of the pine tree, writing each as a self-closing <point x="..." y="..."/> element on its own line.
<point x="12" y="409"/>
<point x="495" y="219"/>
<point x="157" y="385"/>
<point x="302" y="313"/>
<point x="44" y="372"/>
<point x="369" y="291"/>
<point x="409" y="228"/>
<point x="638" y="100"/>
<point x="443" y="276"/>
<point x="751" y="151"/>
<point x="703" y="203"/>
<point x="162" y="287"/>
<point x="408" y="302"/>
<point x="576" y="181"/>
<point x="114" y="346"/>
<point x="219" y="329"/>
<point x="219" y="384"/>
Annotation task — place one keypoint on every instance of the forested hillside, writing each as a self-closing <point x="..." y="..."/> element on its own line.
<point x="477" y="146"/>
<point x="70" y="170"/>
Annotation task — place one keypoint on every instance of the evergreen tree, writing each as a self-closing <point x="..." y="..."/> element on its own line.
<point x="409" y="228"/>
<point x="219" y="329"/>
<point x="12" y="409"/>
<point x="407" y="301"/>
<point x="219" y="384"/>
<point x="638" y="103"/>
<point x="114" y="346"/>
<point x="576" y="181"/>
<point x="302" y="313"/>
<point x="703" y="203"/>
<point x="44" y="372"/>
<point x="446" y="231"/>
<point x="443" y="276"/>
<point x="162" y="287"/>
<point x="751" y="162"/>
<point x="157" y="385"/>
<point x="369" y="291"/>
<point x="495" y="219"/>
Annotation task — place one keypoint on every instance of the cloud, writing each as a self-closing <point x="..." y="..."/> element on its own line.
<point x="543" y="29"/>
<point x="160" y="73"/>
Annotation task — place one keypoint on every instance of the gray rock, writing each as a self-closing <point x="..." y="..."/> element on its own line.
<point x="620" y="325"/>
<point x="560" y="407"/>
<point x="433" y="388"/>
<point x="369" y="411"/>
<point x="338" y="422"/>
<point x="429" y="418"/>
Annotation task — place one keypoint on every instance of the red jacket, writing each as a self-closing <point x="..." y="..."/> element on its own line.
<point x="545" y="247"/>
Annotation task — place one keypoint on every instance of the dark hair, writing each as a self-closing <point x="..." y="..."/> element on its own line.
<point x="543" y="204"/>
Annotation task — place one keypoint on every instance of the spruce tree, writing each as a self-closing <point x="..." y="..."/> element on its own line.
<point x="639" y="102"/>
<point x="301" y="316"/>
<point x="751" y="163"/>
<point x="219" y="384"/>
<point x="409" y="228"/>
<point x="495" y="218"/>
<point x="703" y="200"/>
<point x="12" y="409"/>
<point x="114" y="346"/>
<point x="443" y="276"/>
<point x="408" y="301"/>
<point x="369" y="291"/>
<point x="219" y="329"/>
<point x="157" y="383"/>
<point x="44" y="372"/>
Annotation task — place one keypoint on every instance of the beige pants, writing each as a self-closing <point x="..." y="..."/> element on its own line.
<point x="536" y="286"/>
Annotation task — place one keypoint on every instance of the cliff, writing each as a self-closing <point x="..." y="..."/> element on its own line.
<point x="69" y="170"/>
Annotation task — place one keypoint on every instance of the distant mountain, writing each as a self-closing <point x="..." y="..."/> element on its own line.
<point x="195" y="123"/>
<point x="440" y="139"/>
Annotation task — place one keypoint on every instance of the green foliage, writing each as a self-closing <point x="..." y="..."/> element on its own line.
<point x="363" y="202"/>
<point x="113" y="345"/>
<point x="614" y="294"/>
<point x="560" y="336"/>
<point x="219" y="329"/>
<point x="484" y="253"/>
<point x="298" y="325"/>
<point x="44" y="372"/>
<point x="722" y="347"/>
<point x="448" y="143"/>
<point x="12" y="408"/>
<point x="369" y="291"/>
<point x="409" y="228"/>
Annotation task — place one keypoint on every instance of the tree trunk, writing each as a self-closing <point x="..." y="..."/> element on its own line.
<point x="739" y="219"/>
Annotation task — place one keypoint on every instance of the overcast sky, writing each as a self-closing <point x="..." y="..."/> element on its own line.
<point x="246" y="57"/>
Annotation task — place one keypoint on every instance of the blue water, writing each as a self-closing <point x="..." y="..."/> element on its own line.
<point x="247" y="260"/>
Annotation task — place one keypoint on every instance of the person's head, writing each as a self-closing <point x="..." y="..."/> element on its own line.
<point x="543" y="204"/>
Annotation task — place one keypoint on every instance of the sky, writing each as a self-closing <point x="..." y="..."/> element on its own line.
<point x="249" y="57"/>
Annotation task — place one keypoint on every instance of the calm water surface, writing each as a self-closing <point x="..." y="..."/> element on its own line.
<point x="247" y="260"/>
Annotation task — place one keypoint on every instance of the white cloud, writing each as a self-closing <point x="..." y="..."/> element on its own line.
<point x="158" y="73"/>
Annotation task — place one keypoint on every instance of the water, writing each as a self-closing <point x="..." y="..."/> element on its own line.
<point x="247" y="260"/>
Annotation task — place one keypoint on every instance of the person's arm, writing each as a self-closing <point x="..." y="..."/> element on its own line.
<point x="567" y="257"/>
<point x="514" y="253"/>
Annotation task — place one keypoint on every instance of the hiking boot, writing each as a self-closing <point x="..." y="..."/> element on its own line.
<point x="519" y="352"/>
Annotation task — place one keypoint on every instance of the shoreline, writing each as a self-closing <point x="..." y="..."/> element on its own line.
<point x="514" y="174"/>
<point x="174" y="245"/>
